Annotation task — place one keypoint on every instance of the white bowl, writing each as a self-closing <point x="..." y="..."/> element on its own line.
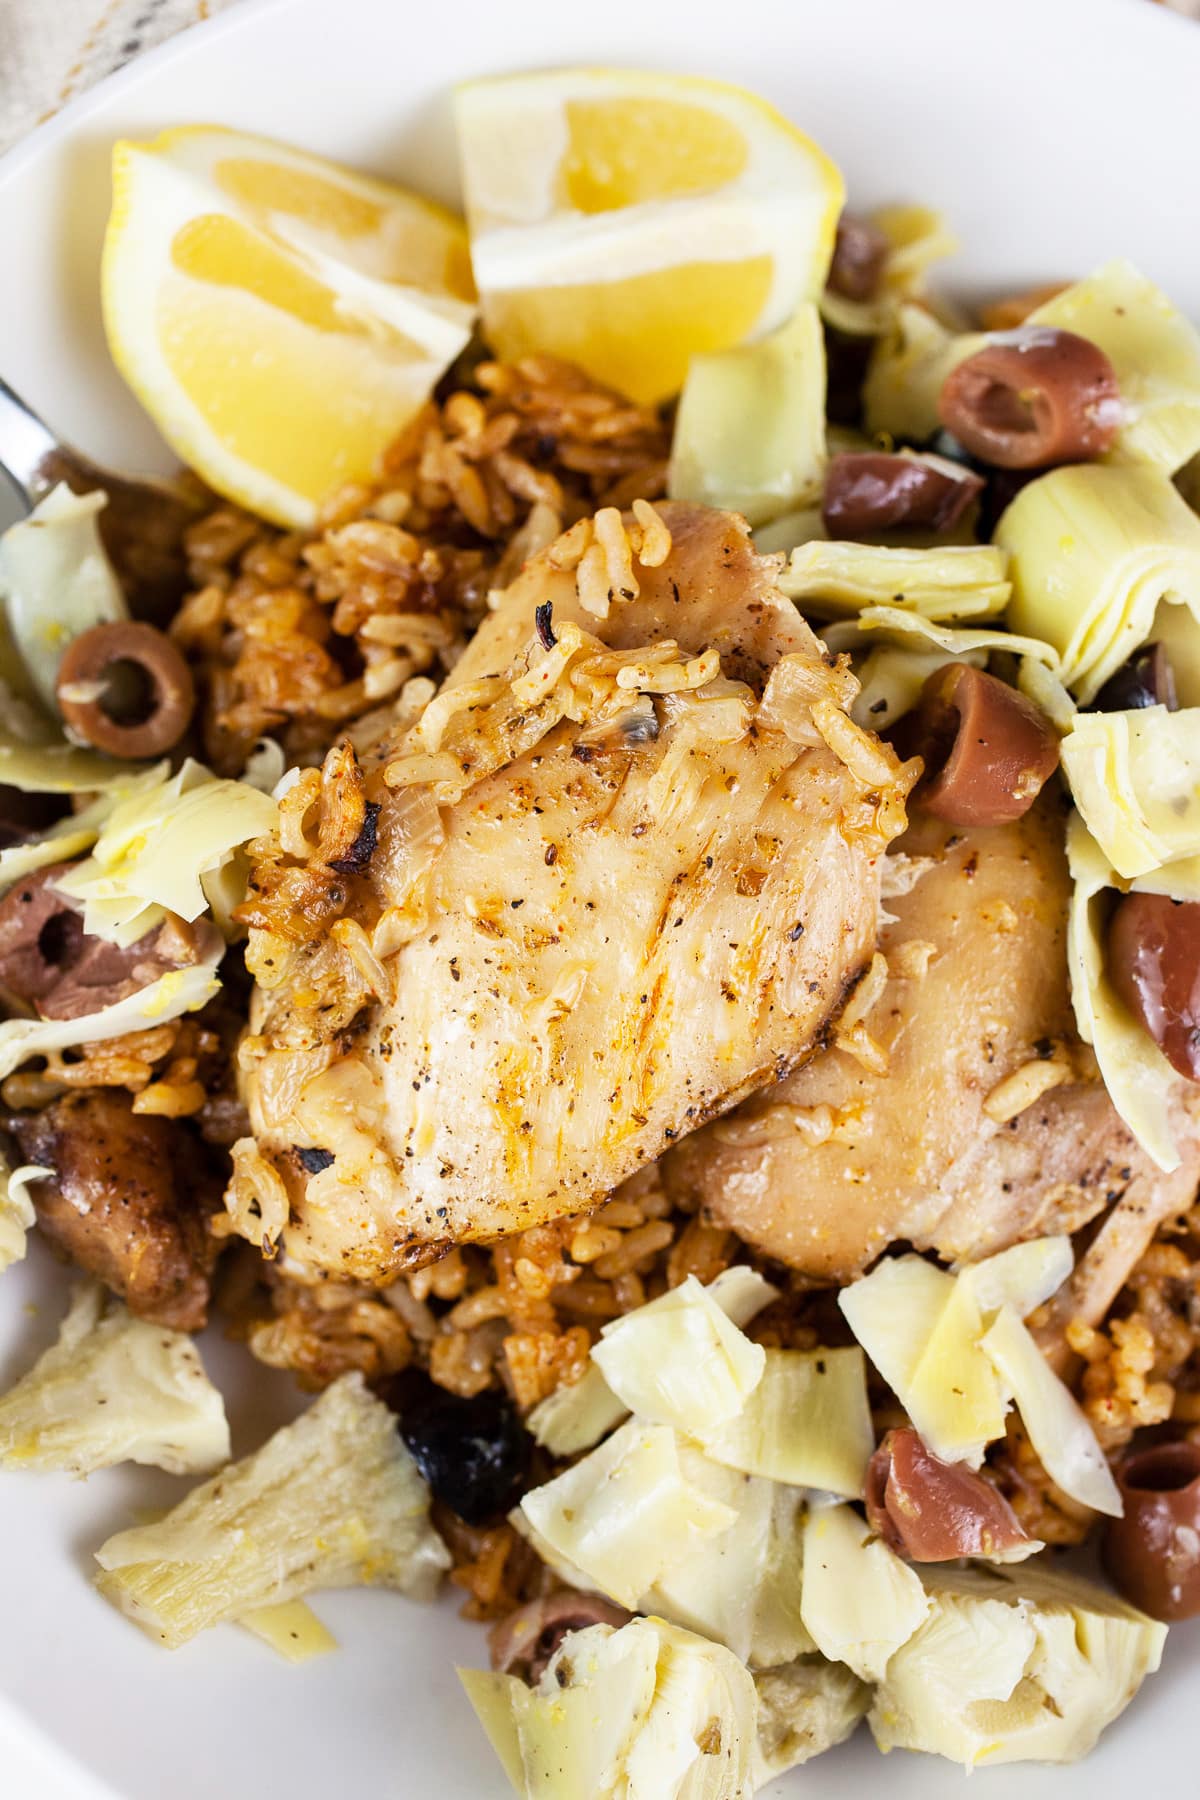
<point x="1055" y="133"/>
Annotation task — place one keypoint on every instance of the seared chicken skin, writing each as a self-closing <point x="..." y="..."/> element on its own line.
<point x="966" y="1115"/>
<point x="627" y="869"/>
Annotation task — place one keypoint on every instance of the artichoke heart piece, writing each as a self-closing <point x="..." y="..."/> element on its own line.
<point x="625" y="1514"/>
<point x="1135" y="777"/>
<point x="1096" y="551"/>
<point x="908" y="367"/>
<point x="1058" y="1428"/>
<point x="1154" y="351"/>
<point x="750" y="430"/>
<point x="922" y="1328"/>
<point x="807" y="1423"/>
<point x="949" y="581"/>
<point x="575" y="1418"/>
<point x="896" y="651"/>
<point x="1139" y="1079"/>
<point x="163" y="848"/>
<point x="114" y="1389"/>
<point x="742" y="1588"/>
<point x="56" y="582"/>
<point x="333" y="1500"/>
<point x="804" y="1708"/>
<point x="1020" y="1666"/>
<point x="680" y="1360"/>
<point x="860" y="1601"/>
<point x="646" y="1712"/>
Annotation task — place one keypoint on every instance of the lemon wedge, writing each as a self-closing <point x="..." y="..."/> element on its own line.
<point x="279" y="317"/>
<point x="629" y="221"/>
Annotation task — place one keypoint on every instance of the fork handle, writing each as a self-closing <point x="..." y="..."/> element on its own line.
<point x="27" y="446"/>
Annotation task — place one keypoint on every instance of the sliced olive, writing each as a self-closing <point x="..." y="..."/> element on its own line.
<point x="988" y="751"/>
<point x="1154" y="966"/>
<point x="1147" y="679"/>
<point x="1153" y="1553"/>
<point x="1033" y="398"/>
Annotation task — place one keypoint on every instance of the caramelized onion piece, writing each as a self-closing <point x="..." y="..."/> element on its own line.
<point x="1033" y="398"/>
<point x="1147" y="679"/>
<point x="1154" y="966"/>
<point x="1153" y="1554"/>
<point x="860" y="251"/>
<point x="988" y="751"/>
<point x="125" y="688"/>
<point x="1014" y="309"/>
<point x="935" y="1511"/>
<point x="868" y="490"/>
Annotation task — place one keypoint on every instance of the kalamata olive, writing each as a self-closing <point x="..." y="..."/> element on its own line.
<point x="125" y="688"/>
<point x="1033" y="398"/>
<point x="935" y="1511"/>
<point x="474" y="1453"/>
<point x="868" y="490"/>
<point x="1147" y="679"/>
<point x="860" y="251"/>
<point x="1154" y="965"/>
<point x="1152" y="1554"/>
<point x="524" y="1643"/>
<point x="988" y="751"/>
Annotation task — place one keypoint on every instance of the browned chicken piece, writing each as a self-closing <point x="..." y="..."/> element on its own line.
<point x="943" y="1139"/>
<point x="625" y="883"/>
<point x="129" y="1201"/>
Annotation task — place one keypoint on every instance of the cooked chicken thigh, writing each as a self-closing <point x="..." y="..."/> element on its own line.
<point x="977" y="1118"/>
<point x="627" y="869"/>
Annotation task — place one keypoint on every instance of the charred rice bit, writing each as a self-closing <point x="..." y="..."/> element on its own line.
<point x="301" y="635"/>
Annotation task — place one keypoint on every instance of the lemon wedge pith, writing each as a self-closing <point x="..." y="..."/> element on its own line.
<point x="629" y="221"/>
<point x="280" y="318"/>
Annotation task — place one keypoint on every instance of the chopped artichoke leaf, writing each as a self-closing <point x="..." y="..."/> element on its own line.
<point x="860" y="1601"/>
<point x="742" y="1587"/>
<point x="750" y="430"/>
<point x="954" y="1398"/>
<point x="61" y="768"/>
<point x="1023" y="1277"/>
<point x="1139" y="1079"/>
<point x="805" y="1707"/>
<point x="575" y="1418"/>
<point x="680" y="1360"/>
<point x="56" y="582"/>
<point x="908" y="366"/>
<point x="807" y="1423"/>
<point x="896" y="651"/>
<point x="918" y="237"/>
<point x="16" y="1209"/>
<point x="114" y="1389"/>
<point x="177" y="992"/>
<point x="156" y="849"/>
<point x="893" y="1311"/>
<point x="646" y="1712"/>
<point x="1154" y="351"/>
<point x="333" y="1500"/>
<point x="1135" y="777"/>
<point x="292" y="1630"/>
<point x="1013" y="1665"/>
<point x="1057" y="1427"/>
<point x="625" y="1514"/>
<point x="1095" y="552"/>
<point x="948" y="581"/>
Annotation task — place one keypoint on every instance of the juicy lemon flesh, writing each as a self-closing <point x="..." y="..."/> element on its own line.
<point x="420" y="246"/>
<point x="233" y="327"/>
<point x="639" y="334"/>
<point x="630" y="152"/>
<point x="309" y="421"/>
